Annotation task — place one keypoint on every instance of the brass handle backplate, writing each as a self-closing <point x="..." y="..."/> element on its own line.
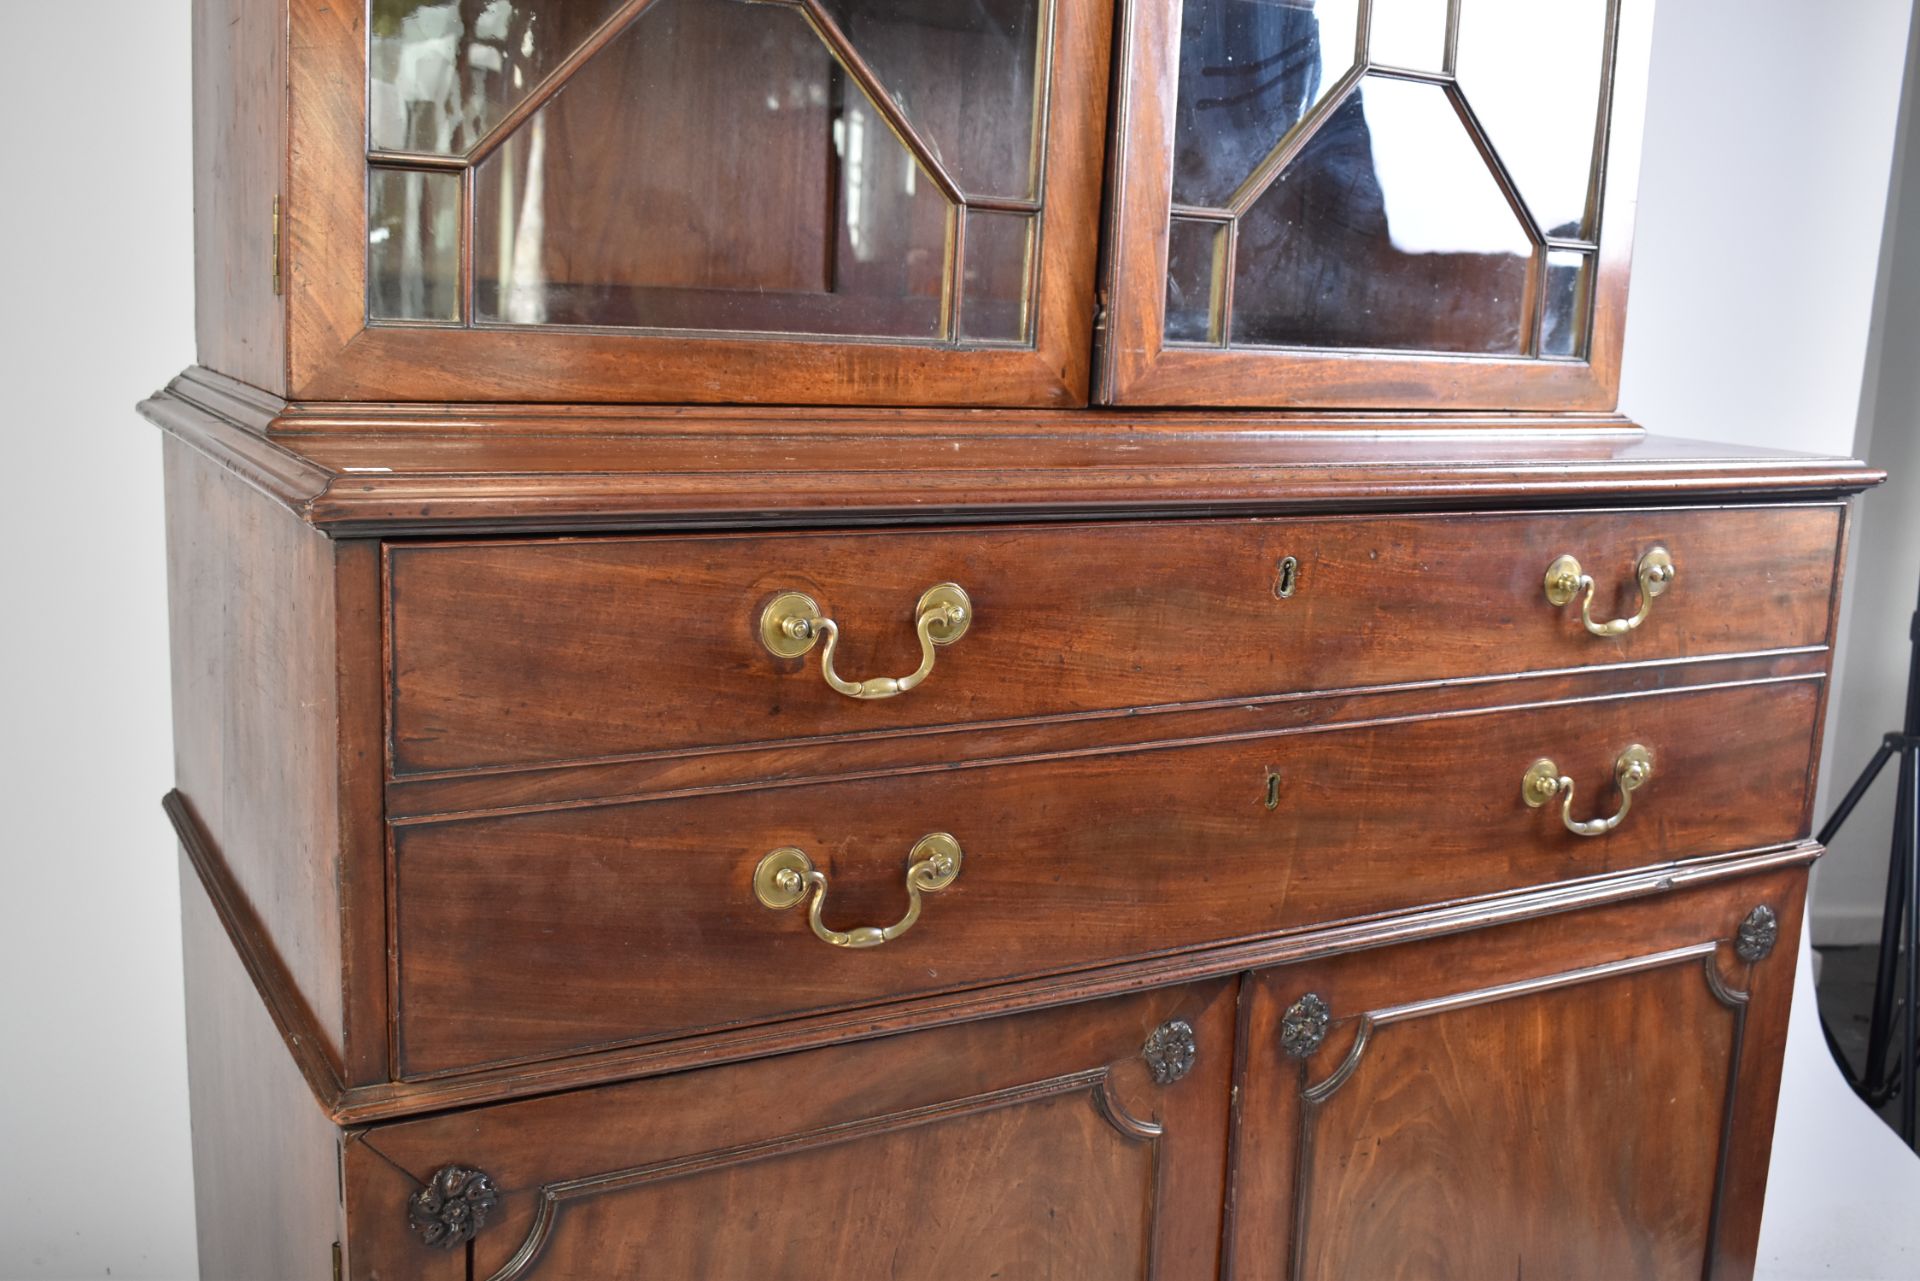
<point x="1544" y="781"/>
<point x="787" y="875"/>
<point x="792" y="622"/>
<point x="1565" y="580"/>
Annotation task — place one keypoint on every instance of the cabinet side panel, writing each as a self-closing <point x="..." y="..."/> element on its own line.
<point x="265" y="1164"/>
<point x="256" y="712"/>
<point x="239" y="150"/>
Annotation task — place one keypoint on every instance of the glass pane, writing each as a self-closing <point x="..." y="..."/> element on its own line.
<point x="964" y="72"/>
<point x="1569" y="306"/>
<point x="1250" y="70"/>
<point x="443" y="72"/>
<point x="413" y="245"/>
<point x="1532" y="73"/>
<point x="994" y="303"/>
<point x="712" y="168"/>
<point x="1388" y="230"/>
<point x="1410" y="33"/>
<point x="1195" y="257"/>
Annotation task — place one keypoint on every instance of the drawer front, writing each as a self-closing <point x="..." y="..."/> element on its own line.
<point x="1083" y="1144"/>
<point x="525" y="653"/>
<point x="530" y="935"/>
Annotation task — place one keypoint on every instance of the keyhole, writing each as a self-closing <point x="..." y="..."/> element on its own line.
<point x="1273" y="789"/>
<point x="1288" y="579"/>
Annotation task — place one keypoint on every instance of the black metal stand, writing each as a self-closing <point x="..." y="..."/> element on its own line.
<point x="1885" y="1075"/>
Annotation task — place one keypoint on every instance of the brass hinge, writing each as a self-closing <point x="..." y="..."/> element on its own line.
<point x="276" y="247"/>
<point x="336" y="1261"/>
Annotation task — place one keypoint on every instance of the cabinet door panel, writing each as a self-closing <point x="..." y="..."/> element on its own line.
<point x="1584" y="1096"/>
<point x="1374" y="205"/>
<point x="807" y="201"/>
<point x="1086" y="1142"/>
<point x="838" y="1210"/>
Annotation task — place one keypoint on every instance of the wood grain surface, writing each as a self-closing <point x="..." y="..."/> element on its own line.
<point x="531" y="935"/>
<point x="1548" y="1099"/>
<point x="404" y="470"/>
<point x="1019" y="1147"/>
<point x="532" y="653"/>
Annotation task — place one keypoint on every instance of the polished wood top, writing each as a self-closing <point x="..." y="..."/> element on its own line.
<point x="389" y="469"/>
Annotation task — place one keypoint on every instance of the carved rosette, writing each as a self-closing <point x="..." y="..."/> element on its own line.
<point x="1758" y="933"/>
<point x="1304" y="1026"/>
<point x="452" y="1207"/>
<point x="1171" y="1050"/>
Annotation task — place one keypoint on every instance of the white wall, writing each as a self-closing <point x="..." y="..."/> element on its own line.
<point x="1757" y="269"/>
<point x="1769" y="136"/>
<point x="96" y="231"/>
<point x="1874" y="651"/>
<point x="1767" y="160"/>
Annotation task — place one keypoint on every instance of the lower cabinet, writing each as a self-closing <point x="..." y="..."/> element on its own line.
<point x="1083" y="1142"/>
<point x="1587" y="1094"/>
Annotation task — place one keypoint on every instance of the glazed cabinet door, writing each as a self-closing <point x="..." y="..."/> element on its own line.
<point x="785" y="201"/>
<point x="1085" y="1143"/>
<point x="1589" y="1095"/>
<point x="1374" y="203"/>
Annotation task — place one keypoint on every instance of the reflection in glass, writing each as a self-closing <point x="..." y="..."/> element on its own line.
<point x="443" y="72"/>
<point x="1569" y="304"/>
<point x="1388" y="230"/>
<point x="1532" y="73"/>
<point x="413" y="245"/>
<point x="712" y="168"/>
<point x="993" y="305"/>
<point x="1412" y="34"/>
<point x="964" y="72"/>
<point x="1196" y="254"/>
<point x="1250" y="70"/>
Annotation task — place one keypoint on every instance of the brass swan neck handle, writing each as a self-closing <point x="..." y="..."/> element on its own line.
<point x="792" y="623"/>
<point x="1565" y="580"/>
<point x="1544" y="781"/>
<point x="787" y="875"/>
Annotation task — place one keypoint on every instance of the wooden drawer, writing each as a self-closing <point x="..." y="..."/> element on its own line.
<point x="1039" y="1145"/>
<point x="523" y="653"/>
<point x="529" y="935"/>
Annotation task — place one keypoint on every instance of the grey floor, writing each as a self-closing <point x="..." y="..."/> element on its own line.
<point x="1846" y="996"/>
